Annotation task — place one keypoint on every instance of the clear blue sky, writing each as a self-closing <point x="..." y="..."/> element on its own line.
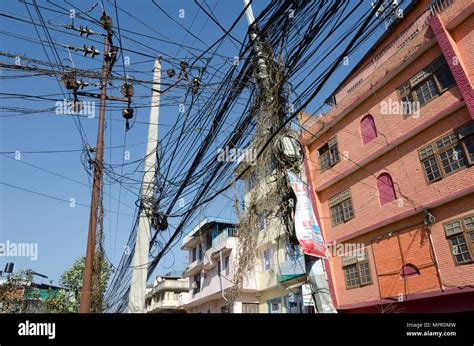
<point x="60" y="230"/>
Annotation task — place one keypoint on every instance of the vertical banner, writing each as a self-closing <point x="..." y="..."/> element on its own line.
<point x="306" y="225"/>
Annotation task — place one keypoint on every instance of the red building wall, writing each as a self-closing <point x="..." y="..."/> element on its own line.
<point x="394" y="234"/>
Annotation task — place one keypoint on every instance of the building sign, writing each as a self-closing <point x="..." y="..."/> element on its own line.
<point x="306" y="226"/>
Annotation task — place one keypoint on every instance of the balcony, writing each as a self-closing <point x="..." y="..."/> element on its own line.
<point x="225" y="234"/>
<point x="193" y="268"/>
<point x="163" y="305"/>
<point x="171" y="285"/>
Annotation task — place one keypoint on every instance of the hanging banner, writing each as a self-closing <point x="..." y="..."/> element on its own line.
<point x="306" y="226"/>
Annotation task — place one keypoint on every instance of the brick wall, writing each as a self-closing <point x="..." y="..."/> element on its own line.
<point x="395" y="151"/>
<point x="384" y="257"/>
<point x="403" y="164"/>
<point x="389" y="126"/>
<point x="462" y="35"/>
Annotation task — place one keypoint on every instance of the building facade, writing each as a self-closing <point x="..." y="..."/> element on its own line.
<point x="280" y="268"/>
<point x="162" y="296"/>
<point x="391" y="167"/>
<point x="212" y="250"/>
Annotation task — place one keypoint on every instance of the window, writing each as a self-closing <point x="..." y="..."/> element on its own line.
<point x="293" y="251"/>
<point x="468" y="145"/>
<point x="448" y="154"/>
<point x="226" y="265"/>
<point x="460" y="235"/>
<point x="430" y="82"/>
<point x="356" y="270"/>
<point x="274" y="305"/>
<point x="341" y="208"/>
<point x="409" y="270"/>
<point x="200" y="251"/>
<point x="466" y="135"/>
<point x="368" y="131"/>
<point x="294" y="302"/>
<point x="250" y="308"/>
<point x="386" y="189"/>
<point x="197" y="283"/>
<point x="194" y="257"/>
<point x="328" y="154"/>
<point x="267" y="259"/>
<point x="218" y="268"/>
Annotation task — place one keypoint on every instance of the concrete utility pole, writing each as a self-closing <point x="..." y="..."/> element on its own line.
<point x="136" y="302"/>
<point x="85" y="299"/>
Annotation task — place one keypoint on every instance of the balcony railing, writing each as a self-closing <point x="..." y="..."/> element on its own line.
<point x="193" y="267"/>
<point x="223" y="236"/>
<point x="171" y="285"/>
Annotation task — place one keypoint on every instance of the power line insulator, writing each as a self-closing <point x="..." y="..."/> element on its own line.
<point x="106" y="21"/>
<point x="170" y="72"/>
<point x="127" y="114"/>
<point x="82" y="84"/>
<point x="85" y="31"/>
<point x="196" y="83"/>
<point x="92" y="51"/>
<point x="127" y="89"/>
<point x="69" y="81"/>
<point x="111" y="56"/>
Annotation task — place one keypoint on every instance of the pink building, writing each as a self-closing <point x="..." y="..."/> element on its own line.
<point x="391" y="167"/>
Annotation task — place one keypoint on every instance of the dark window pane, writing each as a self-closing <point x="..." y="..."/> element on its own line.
<point x="452" y="159"/>
<point x="445" y="77"/>
<point x="347" y="209"/>
<point x="431" y="169"/>
<point x="364" y="273"/>
<point x="334" y="155"/>
<point x="352" y="276"/>
<point x="446" y="141"/>
<point x="426" y="90"/>
<point x="337" y="214"/>
<point x="469" y="143"/>
<point x="409" y="104"/>
<point x="324" y="157"/>
<point x="460" y="249"/>
<point x="328" y="154"/>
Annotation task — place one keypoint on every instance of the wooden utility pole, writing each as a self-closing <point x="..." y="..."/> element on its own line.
<point x="85" y="300"/>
